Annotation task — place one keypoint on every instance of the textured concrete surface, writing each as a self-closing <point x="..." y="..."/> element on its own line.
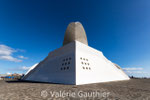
<point x="134" y="89"/>
<point x="75" y="31"/>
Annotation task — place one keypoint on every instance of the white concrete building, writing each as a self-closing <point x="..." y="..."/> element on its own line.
<point x="76" y="62"/>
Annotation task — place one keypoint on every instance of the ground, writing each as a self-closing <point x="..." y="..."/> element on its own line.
<point x="134" y="89"/>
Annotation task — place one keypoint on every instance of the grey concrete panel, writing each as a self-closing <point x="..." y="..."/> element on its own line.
<point x="75" y="32"/>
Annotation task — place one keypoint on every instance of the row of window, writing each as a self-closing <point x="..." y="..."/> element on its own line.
<point x="83" y="59"/>
<point x="88" y="68"/>
<point x="64" y="68"/>
<point x="66" y="63"/>
<point x="67" y="59"/>
<point x="85" y="63"/>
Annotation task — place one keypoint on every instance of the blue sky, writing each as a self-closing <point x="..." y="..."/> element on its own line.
<point x="30" y="29"/>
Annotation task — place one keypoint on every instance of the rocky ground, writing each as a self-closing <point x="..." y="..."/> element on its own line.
<point x="134" y="89"/>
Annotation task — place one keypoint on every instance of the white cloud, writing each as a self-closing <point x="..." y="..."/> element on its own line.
<point x="132" y="69"/>
<point x="27" y="68"/>
<point x="5" y="50"/>
<point x="23" y="68"/>
<point x="8" y="73"/>
<point x="22" y="57"/>
<point x="6" y="53"/>
<point x="10" y="58"/>
<point x="135" y="70"/>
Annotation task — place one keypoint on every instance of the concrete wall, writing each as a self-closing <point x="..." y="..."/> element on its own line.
<point x="58" y="67"/>
<point x="76" y="63"/>
<point x="92" y="66"/>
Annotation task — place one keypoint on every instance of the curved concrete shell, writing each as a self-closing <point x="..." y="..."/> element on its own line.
<point x="75" y="32"/>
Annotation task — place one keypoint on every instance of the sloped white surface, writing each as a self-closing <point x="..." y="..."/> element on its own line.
<point x="31" y="68"/>
<point x="49" y="70"/>
<point x="100" y="69"/>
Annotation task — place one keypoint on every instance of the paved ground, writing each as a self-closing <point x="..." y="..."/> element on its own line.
<point x="134" y="89"/>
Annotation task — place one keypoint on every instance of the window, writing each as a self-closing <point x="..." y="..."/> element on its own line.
<point x="85" y="63"/>
<point x="66" y="59"/>
<point x="65" y="63"/>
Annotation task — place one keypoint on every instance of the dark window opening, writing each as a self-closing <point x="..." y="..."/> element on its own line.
<point x="68" y="63"/>
<point x="66" y="59"/>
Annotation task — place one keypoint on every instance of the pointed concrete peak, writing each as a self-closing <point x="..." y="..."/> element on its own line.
<point x="75" y="32"/>
<point x="77" y="22"/>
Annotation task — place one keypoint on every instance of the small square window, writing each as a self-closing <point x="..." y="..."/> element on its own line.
<point x="82" y="62"/>
<point x="70" y="58"/>
<point x="61" y="68"/>
<point x="64" y="68"/>
<point x="83" y="67"/>
<point x="67" y="67"/>
<point x="63" y="59"/>
<point x="85" y="63"/>
<point x="86" y="59"/>
<point x="86" y="67"/>
<point x="62" y="64"/>
<point x="65" y="63"/>
<point x="66" y="59"/>
<point x="83" y="58"/>
<point x="89" y="68"/>
<point x="68" y="63"/>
